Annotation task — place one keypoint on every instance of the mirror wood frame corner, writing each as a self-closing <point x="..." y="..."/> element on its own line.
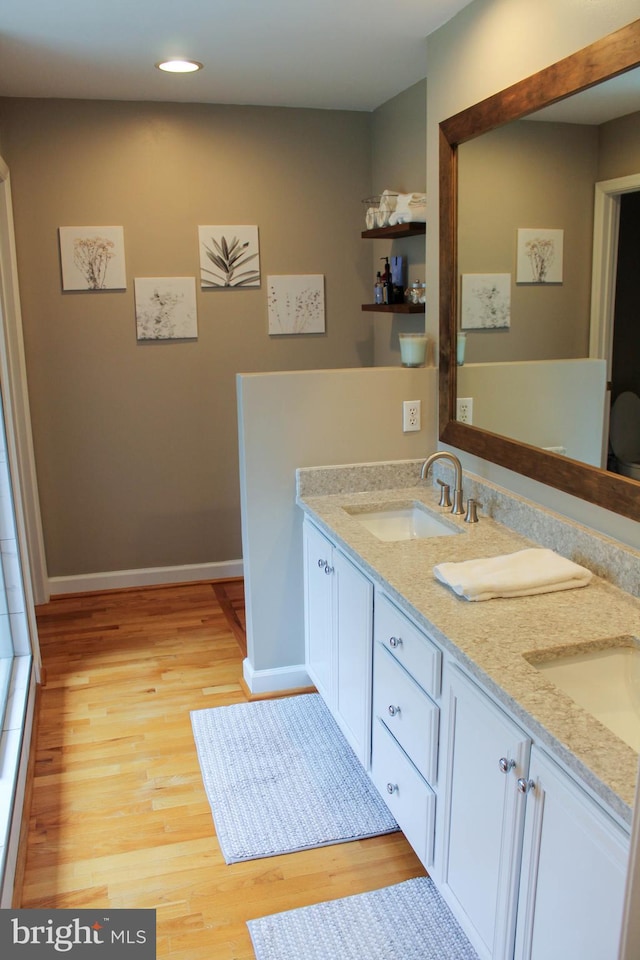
<point x="606" y="58"/>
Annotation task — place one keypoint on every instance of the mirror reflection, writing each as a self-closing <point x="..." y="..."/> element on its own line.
<point x="549" y="298"/>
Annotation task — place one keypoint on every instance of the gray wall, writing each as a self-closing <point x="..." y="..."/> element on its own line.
<point x="311" y="418"/>
<point x="533" y="175"/>
<point x="619" y="147"/>
<point x="136" y="444"/>
<point x="399" y="139"/>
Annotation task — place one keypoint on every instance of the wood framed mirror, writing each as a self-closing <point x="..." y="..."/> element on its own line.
<point x="609" y="57"/>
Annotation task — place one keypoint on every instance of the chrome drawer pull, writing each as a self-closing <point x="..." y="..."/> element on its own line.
<point x="525" y="785"/>
<point x="393" y="711"/>
<point x="506" y="765"/>
<point x="328" y="570"/>
<point x="322" y="563"/>
<point x="395" y="642"/>
<point x="392" y="788"/>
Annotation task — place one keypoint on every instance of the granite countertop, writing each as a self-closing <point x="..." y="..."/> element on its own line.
<point x="491" y="638"/>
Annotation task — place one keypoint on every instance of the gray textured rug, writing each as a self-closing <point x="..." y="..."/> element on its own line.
<point x="280" y="776"/>
<point x="408" y="921"/>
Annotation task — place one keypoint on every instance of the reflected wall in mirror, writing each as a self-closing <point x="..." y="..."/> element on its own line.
<point x="530" y="157"/>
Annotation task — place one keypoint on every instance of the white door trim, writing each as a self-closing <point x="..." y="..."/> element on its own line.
<point x="13" y="376"/>
<point x="606" y="222"/>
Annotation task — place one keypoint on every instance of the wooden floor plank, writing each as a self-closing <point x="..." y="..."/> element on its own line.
<point x="119" y="816"/>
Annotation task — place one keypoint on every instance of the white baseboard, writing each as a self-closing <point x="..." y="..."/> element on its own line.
<point x="275" y="679"/>
<point x="146" y="577"/>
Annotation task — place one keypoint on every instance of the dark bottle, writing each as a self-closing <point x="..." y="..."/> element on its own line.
<point x="387" y="284"/>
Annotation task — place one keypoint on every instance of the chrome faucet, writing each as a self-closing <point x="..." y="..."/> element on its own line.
<point x="457" y="493"/>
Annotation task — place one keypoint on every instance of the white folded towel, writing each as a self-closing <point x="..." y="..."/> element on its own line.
<point x="409" y="207"/>
<point x="520" y="574"/>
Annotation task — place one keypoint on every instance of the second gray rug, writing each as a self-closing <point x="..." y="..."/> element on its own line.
<point x="407" y="921"/>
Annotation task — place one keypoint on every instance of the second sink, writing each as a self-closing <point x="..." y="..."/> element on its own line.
<point x="401" y="521"/>
<point x="604" y="680"/>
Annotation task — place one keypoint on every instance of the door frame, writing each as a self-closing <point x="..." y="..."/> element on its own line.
<point x="15" y="397"/>
<point x="606" y="225"/>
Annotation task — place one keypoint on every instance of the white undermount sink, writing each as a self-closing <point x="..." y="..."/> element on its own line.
<point x="401" y="521"/>
<point x="604" y="681"/>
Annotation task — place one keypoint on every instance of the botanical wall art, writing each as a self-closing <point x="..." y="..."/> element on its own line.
<point x="229" y="256"/>
<point x="166" y="308"/>
<point x="296" y="304"/>
<point x="92" y="258"/>
<point x="486" y="301"/>
<point x="539" y="256"/>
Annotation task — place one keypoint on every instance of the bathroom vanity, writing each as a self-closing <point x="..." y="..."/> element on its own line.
<point x="517" y="800"/>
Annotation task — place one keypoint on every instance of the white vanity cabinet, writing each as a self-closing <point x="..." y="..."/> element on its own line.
<point x="338" y="631"/>
<point x="404" y="756"/>
<point x="574" y="869"/>
<point x="531" y="865"/>
<point x="481" y="814"/>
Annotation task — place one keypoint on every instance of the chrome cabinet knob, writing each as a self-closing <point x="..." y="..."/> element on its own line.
<point x="392" y="787"/>
<point x="506" y="765"/>
<point x="328" y="570"/>
<point x="322" y="563"/>
<point x="525" y="785"/>
<point x="393" y="711"/>
<point x="395" y="642"/>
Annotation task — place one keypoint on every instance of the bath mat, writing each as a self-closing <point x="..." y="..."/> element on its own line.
<point x="280" y="776"/>
<point x="408" y="921"/>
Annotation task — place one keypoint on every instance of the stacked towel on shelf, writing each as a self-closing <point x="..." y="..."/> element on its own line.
<point x="520" y="574"/>
<point x="409" y="208"/>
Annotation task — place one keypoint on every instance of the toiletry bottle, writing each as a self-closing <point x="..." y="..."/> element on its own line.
<point x="377" y="289"/>
<point x="387" y="286"/>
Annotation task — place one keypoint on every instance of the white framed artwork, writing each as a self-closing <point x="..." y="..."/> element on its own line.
<point x="166" y="308"/>
<point x="539" y="256"/>
<point x="229" y="256"/>
<point x="92" y="258"/>
<point x="295" y="303"/>
<point x="485" y="301"/>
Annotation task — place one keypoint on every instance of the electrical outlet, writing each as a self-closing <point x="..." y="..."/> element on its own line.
<point x="410" y="415"/>
<point x="464" y="409"/>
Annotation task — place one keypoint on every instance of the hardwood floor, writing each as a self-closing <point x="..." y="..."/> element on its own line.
<point x="119" y="816"/>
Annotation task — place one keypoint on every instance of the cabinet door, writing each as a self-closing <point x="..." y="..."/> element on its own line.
<point x="318" y="587"/>
<point x="353" y="597"/>
<point x="482" y="815"/>
<point x="574" y="869"/>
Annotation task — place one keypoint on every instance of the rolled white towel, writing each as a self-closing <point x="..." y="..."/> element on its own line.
<point x="520" y="574"/>
<point x="370" y="218"/>
<point x="386" y="207"/>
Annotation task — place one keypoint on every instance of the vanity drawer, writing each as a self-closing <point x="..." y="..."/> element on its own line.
<point x="411" y="801"/>
<point x="407" y="712"/>
<point x="410" y="647"/>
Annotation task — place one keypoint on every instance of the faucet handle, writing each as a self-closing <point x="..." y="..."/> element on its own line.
<point x="445" y="494"/>
<point x="471" y="515"/>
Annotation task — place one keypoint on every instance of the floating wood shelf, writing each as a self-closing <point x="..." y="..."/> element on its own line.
<point x="394" y="307"/>
<point x="395" y="232"/>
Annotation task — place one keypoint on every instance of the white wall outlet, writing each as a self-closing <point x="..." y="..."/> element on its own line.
<point x="464" y="410"/>
<point x="410" y="415"/>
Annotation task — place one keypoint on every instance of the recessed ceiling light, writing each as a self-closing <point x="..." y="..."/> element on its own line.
<point x="179" y="66"/>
